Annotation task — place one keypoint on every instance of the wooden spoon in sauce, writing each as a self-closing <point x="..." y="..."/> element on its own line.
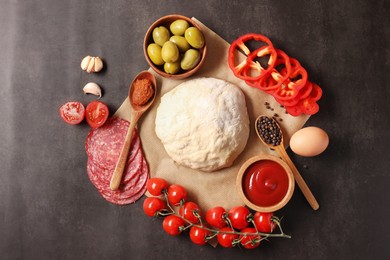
<point x="270" y="133"/>
<point x="136" y="113"/>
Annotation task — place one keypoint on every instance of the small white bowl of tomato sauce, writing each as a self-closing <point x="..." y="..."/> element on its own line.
<point x="265" y="183"/>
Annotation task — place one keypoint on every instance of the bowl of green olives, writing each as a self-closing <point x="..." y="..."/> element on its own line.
<point x="175" y="46"/>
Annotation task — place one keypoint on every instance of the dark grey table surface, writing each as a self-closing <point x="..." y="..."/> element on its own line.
<point x="50" y="210"/>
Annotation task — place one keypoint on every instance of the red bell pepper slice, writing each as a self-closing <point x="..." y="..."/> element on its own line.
<point x="307" y="105"/>
<point x="254" y="71"/>
<point x="273" y="80"/>
<point x="302" y="94"/>
<point x="291" y="87"/>
<point x="240" y="44"/>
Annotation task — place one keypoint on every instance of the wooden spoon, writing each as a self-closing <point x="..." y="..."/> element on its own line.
<point x="279" y="147"/>
<point x="136" y="113"/>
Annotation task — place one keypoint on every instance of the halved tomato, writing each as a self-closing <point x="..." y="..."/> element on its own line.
<point x="72" y="112"/>
<point x="96" y="113"/>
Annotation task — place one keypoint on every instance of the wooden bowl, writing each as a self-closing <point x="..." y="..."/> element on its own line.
<point x="166" y="21"/>
<point x="240" y="183"/>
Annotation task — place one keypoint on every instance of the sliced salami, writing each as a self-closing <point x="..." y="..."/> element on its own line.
<point x="104" y="144"/>
<point x="136" y="191"/>
<point x="131" y="169"/>
<point x="127" y="193"/>
<point x="103" y="147"/>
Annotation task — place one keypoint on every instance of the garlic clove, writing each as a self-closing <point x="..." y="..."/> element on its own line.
<point x="93" y="88"/>
<point x="98" y="64"/>
<point x="91" y="65"/>
<point x="85" y="62"/>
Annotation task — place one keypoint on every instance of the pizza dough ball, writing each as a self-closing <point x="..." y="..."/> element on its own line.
<point x="203" y="123"/>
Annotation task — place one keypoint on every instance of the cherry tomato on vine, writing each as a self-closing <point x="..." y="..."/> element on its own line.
<point x="155" y="186"/>
<point x="216" y="217"/>
<point x="176" y="194"/>
<point x="72" y="112"/>
<point x="152" y="206"/>
<point x="96" y="113"/>
<point x="189" y="211"/>
<point x="226" y="239"/>
<point x="199" y="235"/>
<point x="263" y="222"/>
<point x="173" y="225"/>
<point x="239" y="217"/>
<point x="250" y="241"/>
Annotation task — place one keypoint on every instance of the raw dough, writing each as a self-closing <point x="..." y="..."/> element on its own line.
<point x="203" y="123"/>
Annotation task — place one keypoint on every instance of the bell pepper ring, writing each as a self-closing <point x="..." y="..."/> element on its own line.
<point x="302" y="94"/>
<point x="274" y="79"/>
<point x="239" y="44"/>
<point x="255" y="71"/>
<point x="283" y="77"/>
<point x="291" y="86"/>
<point x="307" y="105"/>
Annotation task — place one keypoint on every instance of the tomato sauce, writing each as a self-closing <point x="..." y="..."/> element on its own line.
<point x="143" y="91"/>
<point x="265" y="183"/>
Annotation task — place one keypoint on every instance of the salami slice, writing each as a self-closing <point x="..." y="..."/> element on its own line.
<point x="104" y="144"/>
<point x="132" y="167"/>
<point x="139" y="188"/>
<point x="126" y="194"/>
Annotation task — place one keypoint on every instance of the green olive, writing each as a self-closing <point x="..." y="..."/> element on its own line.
<point x="154" y="53"/>
<point x="172" y="67"/>
<point x="194" y="37"/>
<point x="170" y="52"/>
<point x="180" y="42"/>
<point x="190" y="59"/>
<point x="178" y="27"/>
<point x="160" y="35"/>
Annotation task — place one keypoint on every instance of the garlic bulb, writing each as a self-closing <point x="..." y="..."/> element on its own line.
<point x="93" y="88"/>
<point x="92" y="64"/>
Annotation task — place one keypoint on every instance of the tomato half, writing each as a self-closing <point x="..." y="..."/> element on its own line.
<point x="96" y="113"/>
<point x="72" y="112"/>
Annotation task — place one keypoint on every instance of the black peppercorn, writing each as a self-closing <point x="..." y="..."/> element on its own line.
<point x="269" y="131"/>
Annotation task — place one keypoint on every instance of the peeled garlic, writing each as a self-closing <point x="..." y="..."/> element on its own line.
<point x="93" y="88"/>
<point x="92" y="64"/>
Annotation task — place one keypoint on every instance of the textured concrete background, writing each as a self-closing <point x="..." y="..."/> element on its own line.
<point x="50" y="210"/>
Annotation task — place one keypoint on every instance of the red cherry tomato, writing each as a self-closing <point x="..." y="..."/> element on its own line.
<point x="188" y="212"/>
<point x="250" y="241"/>
<point x="216" y="217"/>
<point x="199" y="235"/>
<point x="227" y="239"/>
<point x="239" y="217"/>
<point x="96" y="113"/>
<point x="155" y="186"/>
<point x="263" y="222"/>
<point x="72" y="112"/>
<point x="176" y="194"/>
<point x="153" y="205"/>
<point x="173" y="224"/>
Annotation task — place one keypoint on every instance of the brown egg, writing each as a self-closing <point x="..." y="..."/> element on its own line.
<point x="309" y="141"/>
